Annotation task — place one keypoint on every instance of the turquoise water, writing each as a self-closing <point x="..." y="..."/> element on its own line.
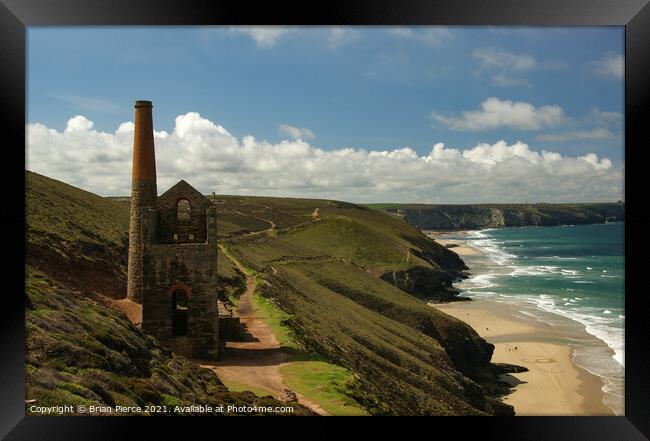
<point x="561" y="275"/>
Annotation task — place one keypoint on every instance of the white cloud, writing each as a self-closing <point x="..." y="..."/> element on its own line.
<point x="611" y="66"/>
<point x="126" y="128"/>
<point x="592" y="158"/>
<point x="78" y="123"/>
<point x="595" y="126"/>
<point x="295" y="132"/>
<point x="505" y="61"/>
<point x="595" y="134"/>
<point x="508" y="67"/>
<point x="340" y="36"/>
<point x="211" y="159"/>
<point x="605" y="118"/>
<point x="263" y="36"/>
<point x="432" y="35"/>
<point x="496" y="113"/>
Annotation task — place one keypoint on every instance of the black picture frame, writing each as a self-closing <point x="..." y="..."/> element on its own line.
<point x="16" y="15"/>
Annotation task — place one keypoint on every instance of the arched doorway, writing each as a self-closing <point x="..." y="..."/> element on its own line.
<point x="179" y="305"/>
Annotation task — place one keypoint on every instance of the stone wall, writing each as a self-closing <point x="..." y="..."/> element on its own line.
<point x="188" y="266"/>
<point x="230" y="328"/>
<point x="171" y="229"/>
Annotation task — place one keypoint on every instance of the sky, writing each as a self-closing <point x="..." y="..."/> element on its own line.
<point x="363" y="114"/>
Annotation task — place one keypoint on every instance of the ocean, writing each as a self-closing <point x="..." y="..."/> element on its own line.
<point x="571" y="277"/>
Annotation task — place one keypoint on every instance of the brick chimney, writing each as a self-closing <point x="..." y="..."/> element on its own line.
<point x="143" y="193"/>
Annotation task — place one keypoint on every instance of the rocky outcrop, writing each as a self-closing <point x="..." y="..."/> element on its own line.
<point x="434" y="282"/>
<point x="467" y="217"/>
<point x="424" y="283"/>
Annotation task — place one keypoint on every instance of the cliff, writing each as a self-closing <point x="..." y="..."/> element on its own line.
<point x="467" y="217"/>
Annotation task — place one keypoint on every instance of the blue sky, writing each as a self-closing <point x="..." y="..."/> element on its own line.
<point x="366" y="88"/>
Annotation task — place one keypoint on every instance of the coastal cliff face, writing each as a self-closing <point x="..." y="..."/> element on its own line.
<point x="468" y="217"/>
<point x="432" y="282"/>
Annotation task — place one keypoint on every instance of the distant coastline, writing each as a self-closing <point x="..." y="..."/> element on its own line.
<point x="446" y="217"/>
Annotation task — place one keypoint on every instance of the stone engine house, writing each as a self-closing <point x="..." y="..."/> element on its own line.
<point x="172" y="254"/>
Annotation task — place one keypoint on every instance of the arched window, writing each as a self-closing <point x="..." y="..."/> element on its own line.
<point x="183" y="209"/>
<point x="179" y="312"/>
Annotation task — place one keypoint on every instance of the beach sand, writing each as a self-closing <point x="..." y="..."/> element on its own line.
<point x="457" y="244"/>
<point x="461" y="250"/>
<point x="554" y="385"/>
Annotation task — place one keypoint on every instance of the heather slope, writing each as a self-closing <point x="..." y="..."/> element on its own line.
<point x="83" y="352"/>
<point x="80" y="350"/>
<point x="76" y="236"/>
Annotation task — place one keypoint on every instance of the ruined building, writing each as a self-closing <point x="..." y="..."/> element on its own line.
<point x="172" y="267"/>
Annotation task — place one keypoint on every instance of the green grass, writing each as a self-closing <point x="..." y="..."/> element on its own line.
<point x="325" y="384"/>
<point x="226" y="252"/>
<point x="72" y="215"/>
<point x="351" y="240"/>
<point x="274" y="318"/>
<point x="321" y="382"/>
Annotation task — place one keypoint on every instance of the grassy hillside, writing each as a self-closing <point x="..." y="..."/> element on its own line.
<point x="381" y="243"/>
<point x="81" y="350"/>
<point x="407" y="357"/>
<point x="447" y="217"/>
<point x="325" y="271"/>
<point x="76" y="236"/>
<point x="347" y="278"/>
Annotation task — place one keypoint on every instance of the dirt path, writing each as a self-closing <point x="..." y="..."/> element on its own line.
<point x="131" y="309"/>
<point x="270" y="222"/>
<point x="257" y="362"/>
<point x="271" y="228"/>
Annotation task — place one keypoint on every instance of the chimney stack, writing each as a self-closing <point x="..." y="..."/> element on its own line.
<point x="143" y="193"/>
<point x="144" y="158"/>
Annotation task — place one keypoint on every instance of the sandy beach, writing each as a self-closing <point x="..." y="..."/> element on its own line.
<point x="554" y="385"/>
<point x="459" y="247"/>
